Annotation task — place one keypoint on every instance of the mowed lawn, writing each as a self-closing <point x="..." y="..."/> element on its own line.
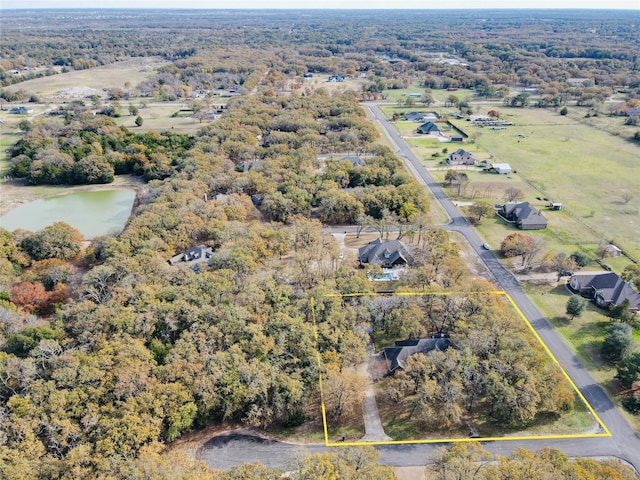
<point x="583" y="334"/>
<point x="594" y="174"/>
<point x="114" y="75"/>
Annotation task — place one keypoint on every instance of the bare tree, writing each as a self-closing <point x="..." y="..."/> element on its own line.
<point x="513" y="194"/>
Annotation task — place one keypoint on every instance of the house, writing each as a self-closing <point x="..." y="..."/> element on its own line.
<point x="633" y="112"/>
<point x="428" y="127"/>
<point x="398" y="354"/>
<point x="501" y="168"/>
<point x="456" y="138"/>
<point x="606" y="289"/>
<point x="389" y="254"/>
<point x="194" y="255"/>
<point x="524" y="215"/>
<point x="461" y="157"/>
<point x="336" y="78"/>
<point x="420" y="117"/>
<point x="577" y="82"/>
<point x="20" y="110"/>
<point x="415" y="116"/>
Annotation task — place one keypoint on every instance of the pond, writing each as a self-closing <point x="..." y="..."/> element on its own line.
<point x="94" y="213"/>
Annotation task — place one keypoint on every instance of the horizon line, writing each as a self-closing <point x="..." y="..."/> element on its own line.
<point x="324" y="9"/>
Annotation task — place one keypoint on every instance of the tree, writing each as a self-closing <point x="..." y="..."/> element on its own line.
<point x="93" y="169"/>
<point x="480" y="209"/>
<point x="513" y="194"/>
<point x="463" y="461"/>
<point x="31" y="296"/>
<point x="55" y="241"/>
<point x="564" y="111"/>
<point x="575" y="306"/>
<point x="452" y="100"/>
<point x="631" y="273"/>
<point x="343" y="392"/>
<point x="517" y="244"/>
<point x="133" y="110"/>
<point x="460" y="180"/>
<point x="622" y="312"/>
<point x="563" y="264"/>
<point x="520" y="100"/>
<point x="427" y="98"/>
<point x="629" y="370"/>
<point x="617" y="342"/>
<point x="139" y="121"/>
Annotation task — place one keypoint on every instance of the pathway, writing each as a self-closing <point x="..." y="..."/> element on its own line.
<point x="374" y="432"/>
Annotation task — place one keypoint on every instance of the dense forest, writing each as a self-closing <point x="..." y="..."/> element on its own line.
<point x="108" y="353"/>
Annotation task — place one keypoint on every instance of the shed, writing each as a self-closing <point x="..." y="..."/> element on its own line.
<point x="501" y="168"/>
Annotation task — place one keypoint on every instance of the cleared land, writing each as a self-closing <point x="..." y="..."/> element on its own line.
<point x="76" y="84"/>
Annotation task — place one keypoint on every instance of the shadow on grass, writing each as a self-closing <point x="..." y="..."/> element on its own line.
<point x="560" y="289"/>
<point x="593" y="329"/>
<point x="560" y="321"/>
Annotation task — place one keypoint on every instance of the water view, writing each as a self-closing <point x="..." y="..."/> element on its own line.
<point x="92" y="213"/>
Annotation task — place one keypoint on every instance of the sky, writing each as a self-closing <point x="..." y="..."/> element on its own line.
<point x="326" y="4"/>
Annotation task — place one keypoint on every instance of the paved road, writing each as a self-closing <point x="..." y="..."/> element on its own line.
<point x="623" y="444"/>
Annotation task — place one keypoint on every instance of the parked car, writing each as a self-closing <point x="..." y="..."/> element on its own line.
<point x="486" y="246"/>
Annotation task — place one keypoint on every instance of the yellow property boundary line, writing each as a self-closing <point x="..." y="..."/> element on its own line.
<point x="606" y="433"/>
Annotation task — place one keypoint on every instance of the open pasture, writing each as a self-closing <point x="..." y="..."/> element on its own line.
<point x="594" y="174"/>
<point x="72" y="85"/>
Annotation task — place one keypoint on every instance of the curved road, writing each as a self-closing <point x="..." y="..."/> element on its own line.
<point x="623" y="443"/>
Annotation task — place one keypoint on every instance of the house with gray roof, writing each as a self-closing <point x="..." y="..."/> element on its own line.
<point x="389" y="254"/>
<point x="428" y="127"/>
<point x="524" y="215"/>
<point x="420" y="116"/>
<point x="398" y="354"/>
<point x="606" y="289"/>
<point x="198" y="254"/>
<point x="461" y="157"/>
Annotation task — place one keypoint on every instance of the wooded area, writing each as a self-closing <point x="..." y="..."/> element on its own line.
<point x="109" y="353"/>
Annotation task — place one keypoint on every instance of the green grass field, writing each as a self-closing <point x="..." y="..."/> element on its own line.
<point x="595" y="175"/>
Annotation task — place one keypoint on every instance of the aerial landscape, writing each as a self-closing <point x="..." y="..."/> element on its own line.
<point x="319" y="244"/>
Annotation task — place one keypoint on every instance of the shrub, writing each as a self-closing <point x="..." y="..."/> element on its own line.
<point x="632" y="404"/>
<point x="580" y="258"/>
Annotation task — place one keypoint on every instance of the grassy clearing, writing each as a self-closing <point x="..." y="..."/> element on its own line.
<point x="163" y="117"/>
<point x="114" y="75"/>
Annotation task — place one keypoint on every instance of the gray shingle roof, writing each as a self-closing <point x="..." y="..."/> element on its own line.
<point x="398" y="354"/>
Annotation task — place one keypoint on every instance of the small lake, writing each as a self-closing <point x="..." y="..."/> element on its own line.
<point x="94" y="214"/>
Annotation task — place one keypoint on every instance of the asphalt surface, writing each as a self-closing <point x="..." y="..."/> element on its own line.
<point x="623" y="443"/>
